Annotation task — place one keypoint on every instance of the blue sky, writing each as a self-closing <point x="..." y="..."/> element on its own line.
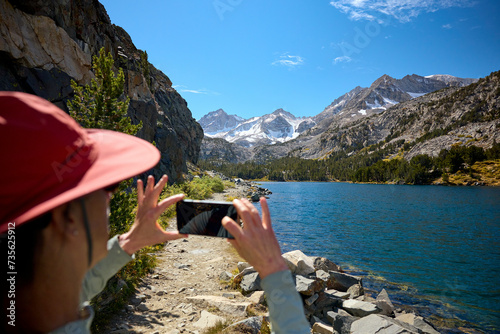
<point x="251" y="57"/>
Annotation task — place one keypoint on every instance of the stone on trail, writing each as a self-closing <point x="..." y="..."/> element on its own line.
<point x="225" y="276"/>
<point x="234" y="308"/>
<point x="359" y="308"/>
<point x="257" y="297"/>
<point x="142" y="308"/>
<point x="250" y="282"/>
<point x="242" y="266"/>
<point x="381" y="324"/>
<point x="253" y="324"/>
<point x="208" y="319"/>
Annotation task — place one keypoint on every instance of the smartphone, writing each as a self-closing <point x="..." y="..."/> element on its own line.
<point x="204" y="217"/>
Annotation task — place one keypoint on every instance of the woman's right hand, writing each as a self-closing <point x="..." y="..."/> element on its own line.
<point x="256" y="241"/>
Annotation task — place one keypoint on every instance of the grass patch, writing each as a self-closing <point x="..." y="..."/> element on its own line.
<point x="486" y="172"/>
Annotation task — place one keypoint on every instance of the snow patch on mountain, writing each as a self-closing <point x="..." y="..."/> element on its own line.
<point x="278" y="127"/>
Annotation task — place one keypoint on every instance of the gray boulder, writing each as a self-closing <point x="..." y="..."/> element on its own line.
<point x="249" y="325"/>
<point x="343" y="282"/>
<point x="417" y="322"/>
<point x="381" y="324"/>
<point x="355" y="291"/>
<point x="207" y="320"/>
<point x="242" y="266"/>
<point x="321" y="263"/>
<point x="359" y="308"/>
<point x="299" y="263"/>
<point x="326" y="300"/>
<point x="341" y="321"/>
<point x="325" y="277"/>
<point x="225" y="276"/>
<point x="306" y="286"/>
<point x="322" y="328"/>
<point x="384" y="303"/>
<point x="338" y="294"/>
<point x="250" y="282"/>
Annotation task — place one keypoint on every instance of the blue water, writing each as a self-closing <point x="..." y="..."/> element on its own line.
<point x="437" y="248"/>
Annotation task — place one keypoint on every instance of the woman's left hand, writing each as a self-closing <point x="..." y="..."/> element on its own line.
<point x="146" y="231"/>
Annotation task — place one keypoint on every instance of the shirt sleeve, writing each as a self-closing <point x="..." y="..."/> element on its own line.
<point x="285" y="305"/>
<point x="97" y="277"/>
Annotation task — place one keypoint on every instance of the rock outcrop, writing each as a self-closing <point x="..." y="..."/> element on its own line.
<point x="336" y="311"/>
<point x="45" y="44"/>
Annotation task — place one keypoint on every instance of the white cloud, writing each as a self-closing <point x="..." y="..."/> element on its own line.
<point x="289" y="61"/>
<point x="184" y="89"/>
<point x="402" y="10"/>
<point x="447" y="26"/>
<point x="343" y="59"/>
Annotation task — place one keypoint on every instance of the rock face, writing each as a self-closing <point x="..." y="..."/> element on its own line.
<point x="45" y="44"/>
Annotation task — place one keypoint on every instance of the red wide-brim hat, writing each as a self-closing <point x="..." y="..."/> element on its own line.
<point x="48" y="159"/>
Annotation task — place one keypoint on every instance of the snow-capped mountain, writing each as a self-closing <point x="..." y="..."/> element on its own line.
<point x="219" y="121"/>
<point x="384" y="93"/>
<point x="277" y="127"/>
<point x="281" y="126"/>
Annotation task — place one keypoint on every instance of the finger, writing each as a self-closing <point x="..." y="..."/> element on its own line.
<point x="232" y="227"/>
<point x="252" y="215"/>
<point x="160" y="185"/>
<point x="244" y="212"/>
<point x="266" y="215"/>
<point x="235" y="244"/>
<point x="150" y="184"/>
<point x="174" y="235"/>
<point x="140" y="192"/>
<point x="163" y="205"/>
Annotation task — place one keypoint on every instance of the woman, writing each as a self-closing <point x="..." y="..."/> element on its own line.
<point x="56" y="181"/>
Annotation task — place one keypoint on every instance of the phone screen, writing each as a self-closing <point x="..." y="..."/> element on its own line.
<point x="204" y="217"/>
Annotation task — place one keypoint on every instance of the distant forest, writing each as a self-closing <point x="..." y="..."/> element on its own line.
<point x="364" y="166"/>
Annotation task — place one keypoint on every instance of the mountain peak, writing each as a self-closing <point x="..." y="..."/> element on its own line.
<point x="281" y="112"/>
<point x="383" y="81"/>
<point x="219" y="121"/>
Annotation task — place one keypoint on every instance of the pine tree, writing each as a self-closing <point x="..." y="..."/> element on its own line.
<point x="100" y="105"/>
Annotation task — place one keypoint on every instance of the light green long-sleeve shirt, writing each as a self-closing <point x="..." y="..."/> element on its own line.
<point x="285" y="305"/>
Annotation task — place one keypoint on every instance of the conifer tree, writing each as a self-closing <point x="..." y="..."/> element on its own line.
<point x="100" y="105"/>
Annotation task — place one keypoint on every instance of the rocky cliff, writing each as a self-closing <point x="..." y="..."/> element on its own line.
<point x="45" y="44"/>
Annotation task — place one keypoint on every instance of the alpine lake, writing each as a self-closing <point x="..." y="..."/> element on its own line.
<point x="433" y="248"/>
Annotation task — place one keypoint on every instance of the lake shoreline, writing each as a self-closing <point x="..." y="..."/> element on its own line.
<point x="471" y="318"/>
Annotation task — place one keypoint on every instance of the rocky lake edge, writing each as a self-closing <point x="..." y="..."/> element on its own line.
<point x="201" y="284"/>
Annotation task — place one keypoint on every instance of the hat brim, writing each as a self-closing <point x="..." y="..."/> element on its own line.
<point x="120" y="156"/>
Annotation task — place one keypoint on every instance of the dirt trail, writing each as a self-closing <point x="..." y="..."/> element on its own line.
<point x="187" y="268"/>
